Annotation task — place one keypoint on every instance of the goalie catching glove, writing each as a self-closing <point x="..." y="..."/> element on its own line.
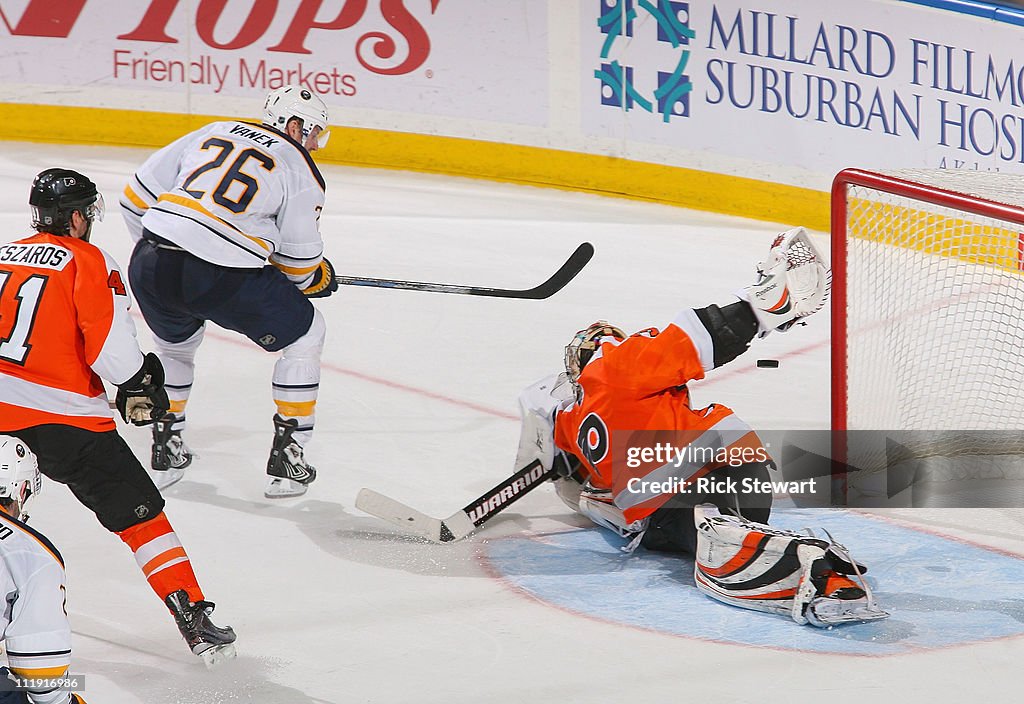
<point x="143" y="399"/>
<point x="323" y="283"/>
<point x="793" y="283"/>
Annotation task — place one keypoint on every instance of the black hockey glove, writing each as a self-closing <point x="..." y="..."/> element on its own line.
<point x="143" y="399"/>
<point x="566" y="466"/>
<point x="324" y="283"/>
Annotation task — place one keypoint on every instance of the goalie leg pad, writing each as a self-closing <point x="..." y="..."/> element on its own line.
<point x="596" y="504"/>
<point x="758" y="567"/>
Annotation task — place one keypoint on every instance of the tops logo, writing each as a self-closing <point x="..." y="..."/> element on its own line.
<point x="671" y="94"/>
<point x="45" y="18"/>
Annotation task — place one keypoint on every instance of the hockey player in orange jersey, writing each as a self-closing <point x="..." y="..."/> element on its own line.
<point x="635" y="457"/>
<point x="64" y="325"/>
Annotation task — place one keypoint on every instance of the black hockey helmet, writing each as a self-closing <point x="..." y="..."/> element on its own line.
<point x="56" y="193"/>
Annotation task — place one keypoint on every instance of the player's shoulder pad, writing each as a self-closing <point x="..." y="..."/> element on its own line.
<point x="11" y="526"/>
<point x="299" y="149"/>
<point x="94" y="261"/>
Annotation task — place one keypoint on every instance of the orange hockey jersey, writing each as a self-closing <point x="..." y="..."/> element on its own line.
<point x="64" y="324"/>
<point x="632" y="427"/>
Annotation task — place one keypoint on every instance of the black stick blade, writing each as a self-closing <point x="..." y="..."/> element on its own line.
<point x="566" y="273"/>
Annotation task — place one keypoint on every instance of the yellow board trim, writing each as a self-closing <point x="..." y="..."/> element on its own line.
<point x="975" y="242"/>
<point x="551" y="168"/>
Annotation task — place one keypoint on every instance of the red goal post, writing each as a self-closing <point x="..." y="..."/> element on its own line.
<point x="927" y="306"/>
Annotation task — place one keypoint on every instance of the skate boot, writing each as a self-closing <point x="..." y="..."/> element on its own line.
<point x="170" y="453"/>
<point x="832" y="590"/>
<point x="288" y="471"/>
<point x="211" y="643"/>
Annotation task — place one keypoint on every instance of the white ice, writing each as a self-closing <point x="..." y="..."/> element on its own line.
<point x="418" y="401"/>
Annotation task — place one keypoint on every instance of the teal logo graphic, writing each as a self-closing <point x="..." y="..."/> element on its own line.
<point x="671" y="94"/>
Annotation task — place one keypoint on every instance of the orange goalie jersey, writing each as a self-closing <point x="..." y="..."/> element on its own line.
<point x="632" y="427"/>
<point x="64" y="324"/>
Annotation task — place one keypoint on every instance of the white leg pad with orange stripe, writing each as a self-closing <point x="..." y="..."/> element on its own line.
<point x="596" y="504"/>
<point x="745" y="564"/>
<point x="755" y="566"/>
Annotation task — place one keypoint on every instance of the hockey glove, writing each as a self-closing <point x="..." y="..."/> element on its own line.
<point x="793" y="283"/>
<point x="538" y="406"/>
<point x="143" y="399"/>
<point x="324" y="283"/>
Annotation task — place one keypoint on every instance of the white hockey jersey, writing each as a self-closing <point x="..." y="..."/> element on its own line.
<point x="36" y="632"/>
<point x="235" y="194"/>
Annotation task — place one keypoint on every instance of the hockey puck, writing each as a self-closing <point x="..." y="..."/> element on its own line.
<point x="768" y="363"/>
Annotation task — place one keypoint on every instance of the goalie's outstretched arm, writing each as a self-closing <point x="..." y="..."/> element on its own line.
<point x="792" y="284"/>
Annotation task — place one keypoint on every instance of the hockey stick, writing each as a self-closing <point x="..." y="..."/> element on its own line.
<point x="461" y="523"/>
<point x="566" y="273"/>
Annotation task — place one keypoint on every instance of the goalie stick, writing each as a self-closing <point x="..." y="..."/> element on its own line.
<point x="566" y="273"/>
<point x="461" y="523"/>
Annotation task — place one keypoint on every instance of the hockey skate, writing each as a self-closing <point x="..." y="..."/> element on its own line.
<point x="170" y="453"/>
<point x="827" y="596"/>
<point x="289" y="473"/>
<point x="211" y="643"/>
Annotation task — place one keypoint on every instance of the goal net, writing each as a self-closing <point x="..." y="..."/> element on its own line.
<point x="928" y="323"/>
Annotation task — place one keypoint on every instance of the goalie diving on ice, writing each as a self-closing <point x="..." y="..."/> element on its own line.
<point x="619" y="393"/>
<point x="620" y="396"/>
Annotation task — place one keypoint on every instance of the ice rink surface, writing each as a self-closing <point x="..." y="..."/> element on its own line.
<point x="417" y="401"/>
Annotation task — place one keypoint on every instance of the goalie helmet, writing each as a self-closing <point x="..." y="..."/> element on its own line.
<point x="56" y="194"/>
<point x="19" y="476"/>
<point x="295" y="101"/>
<point x="583" y="345"/>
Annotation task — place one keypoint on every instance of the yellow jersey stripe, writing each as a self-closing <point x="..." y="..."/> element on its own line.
<point x="40" y="673"/>
<point x="295" y="270"/>
<point x="197" y="206"/>
<point x="134" y="198"/>
<point x="38" y="537"/>
<point x="295" y="408"/>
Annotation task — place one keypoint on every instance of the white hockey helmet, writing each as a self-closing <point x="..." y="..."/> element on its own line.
<point x="19" y="476"/>
<point x="582" y="346"/>
<point x="295" y="101"/>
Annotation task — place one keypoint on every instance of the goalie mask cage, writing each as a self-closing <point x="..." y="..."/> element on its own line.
<point x="927" y="313"/>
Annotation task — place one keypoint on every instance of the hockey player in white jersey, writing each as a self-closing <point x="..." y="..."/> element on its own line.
<point x="36" y="633"/>
<point x="226" y="225"/>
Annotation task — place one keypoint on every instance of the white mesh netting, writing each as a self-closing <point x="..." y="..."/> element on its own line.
<point x="935" y="315"/>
